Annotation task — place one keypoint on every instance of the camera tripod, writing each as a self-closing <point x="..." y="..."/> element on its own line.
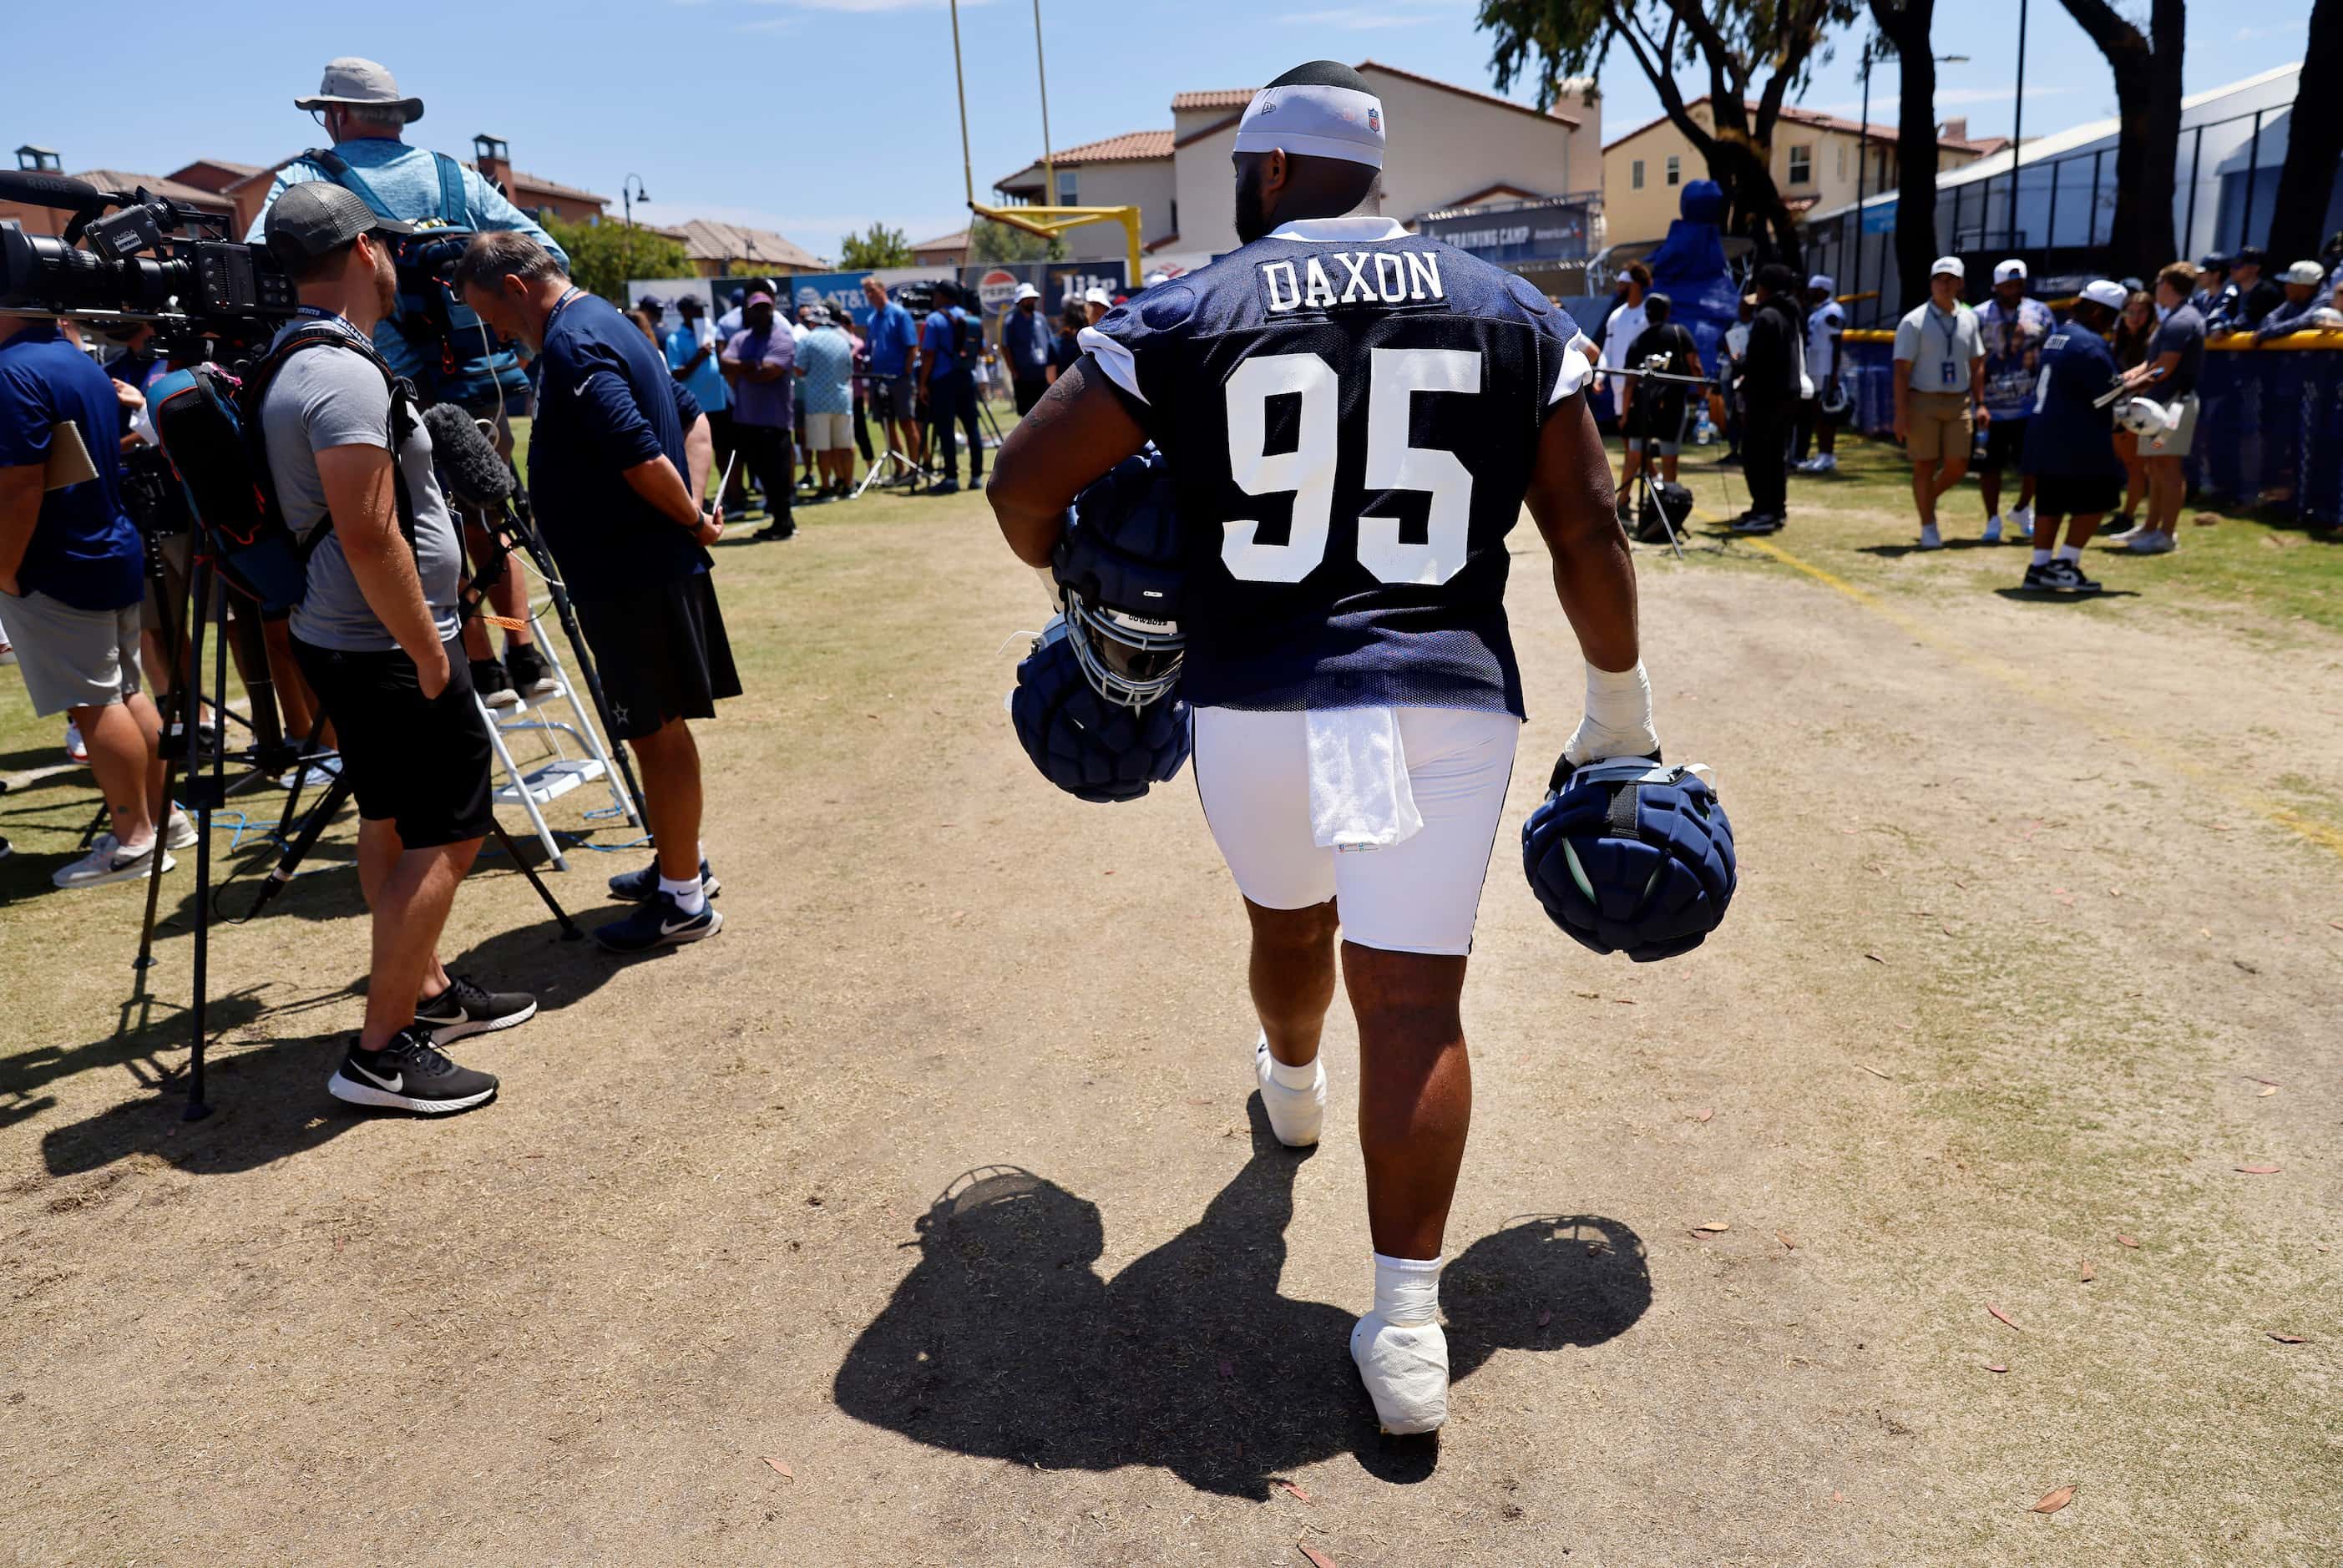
<point x="1646" y="472"/>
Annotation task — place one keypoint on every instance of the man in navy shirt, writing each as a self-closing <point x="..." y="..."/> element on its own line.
<point x="617" y="475"/>
<point x="72" y="572"/>
<point x="949" y="344"/>
<point x="1025" y="344"/>
<point x="889" y="339"/>
<point x="1355" y="417"/>
<point x="2070" y="446"/>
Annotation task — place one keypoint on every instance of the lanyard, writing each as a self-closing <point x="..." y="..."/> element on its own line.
<point x="559" y="305"/>
<point x="1952" y="331"/>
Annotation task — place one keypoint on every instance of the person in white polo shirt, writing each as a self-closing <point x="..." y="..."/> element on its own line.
<point x="1939" y="390"/>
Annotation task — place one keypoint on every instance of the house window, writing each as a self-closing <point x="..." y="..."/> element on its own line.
<point x="1802" y="165"/>
<point x="1066" y="187"/>
<point x="1635" y="174"/>
<point x="1675" y="170"/>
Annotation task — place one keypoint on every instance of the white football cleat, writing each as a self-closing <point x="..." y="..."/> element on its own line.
<point x="1406" y="1370"/>
<point x="1295" y="1115"/>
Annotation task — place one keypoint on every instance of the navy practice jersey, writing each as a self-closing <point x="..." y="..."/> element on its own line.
<point x="1351" y="417"/>
<point x="2064" y="433"/>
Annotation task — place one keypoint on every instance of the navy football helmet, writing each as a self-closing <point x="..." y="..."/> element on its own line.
<point x="1092" y="747"/>
<point x="1117" y="564"/>
<point x="1629" y="855"/>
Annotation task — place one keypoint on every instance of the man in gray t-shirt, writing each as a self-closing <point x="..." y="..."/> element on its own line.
<point x="376" y="635"/>
<point x="323" y="399"/>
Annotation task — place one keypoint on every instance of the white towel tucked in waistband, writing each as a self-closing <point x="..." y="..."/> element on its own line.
<point x="1358" y="793"/>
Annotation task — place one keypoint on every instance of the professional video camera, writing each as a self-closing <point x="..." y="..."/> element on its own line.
<point x="198" y="284"/>
<point x="919" y="297"/>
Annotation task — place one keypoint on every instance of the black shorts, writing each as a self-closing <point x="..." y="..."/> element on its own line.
<point x="2005" y="445"/>
<point x="421" y="764"/>
<point x="661" y="654"/>
<point x="2076" y="495"/>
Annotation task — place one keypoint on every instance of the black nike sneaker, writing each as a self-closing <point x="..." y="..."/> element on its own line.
<point x="494" y="688"/>
<point x="531" y="676"/>
<point x="409" y="1074"/>
<point x="634" y="886"/>
<point x="466" y="1008"/>
<point x="658" y="921"/>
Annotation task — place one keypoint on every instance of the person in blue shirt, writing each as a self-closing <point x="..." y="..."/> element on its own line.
<point x="949" y="344"/>
<point x="619" y="461"/>
<point x="359" y="105"/>
<point x="72" y="572"/>
<point x="2070" y="446"/>
<point x="693" y="355"/>
<point x="889" y="339"/>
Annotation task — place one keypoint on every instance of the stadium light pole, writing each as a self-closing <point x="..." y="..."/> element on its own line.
<point x="1041" y="75"/>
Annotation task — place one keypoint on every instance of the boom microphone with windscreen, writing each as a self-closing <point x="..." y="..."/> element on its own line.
<point x="33" y="188"/>
<point x="478" y="475"/>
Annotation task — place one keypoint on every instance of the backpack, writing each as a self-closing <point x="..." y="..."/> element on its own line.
<point x="464" y="360"/>
<point x="209" y="425"/>
<point x="959" y="326"/>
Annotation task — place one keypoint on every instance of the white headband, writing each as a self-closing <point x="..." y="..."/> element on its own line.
<point x="1316" y="122"/>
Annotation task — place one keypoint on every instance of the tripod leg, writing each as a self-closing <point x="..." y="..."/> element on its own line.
<point x="569" y="932"/>
<point x="205" y="799"/>
<point x="174" y="616"/>
<point x="568" y="616"/>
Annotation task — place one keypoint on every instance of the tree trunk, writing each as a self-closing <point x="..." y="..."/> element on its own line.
<point x="1738" y="161"/>
<point x="2147" y="106"/>
<point x="2314" y="142"/>
<point x="1906" y="26"/>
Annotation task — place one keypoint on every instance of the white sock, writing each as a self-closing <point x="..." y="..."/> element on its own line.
<point x="2041" y="557"/>
<point x="685" y="894"/>
<point x="703" y="849"/>
<point x="2070" y="554"/>
<point x="1407" y="1290"/>
<point x="1289" y="1077"/>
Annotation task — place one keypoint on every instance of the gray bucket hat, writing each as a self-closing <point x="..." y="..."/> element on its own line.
<point x="360" y="83"/>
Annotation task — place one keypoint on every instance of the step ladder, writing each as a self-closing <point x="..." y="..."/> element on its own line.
<point x="554" y="772"/>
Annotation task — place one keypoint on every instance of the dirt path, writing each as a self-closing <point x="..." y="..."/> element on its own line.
<point x="932" y="1178"/>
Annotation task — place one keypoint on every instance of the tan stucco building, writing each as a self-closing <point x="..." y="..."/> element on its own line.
<point x="1816" y="158"/>
<point x="1450" y="147"/>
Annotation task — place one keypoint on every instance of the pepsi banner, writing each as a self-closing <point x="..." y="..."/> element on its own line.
<point x="1061" y="282"/>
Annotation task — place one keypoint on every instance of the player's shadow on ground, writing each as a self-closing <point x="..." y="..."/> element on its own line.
<point x="268" y="1101"/>
<point x="1004" y="1342"/>
<point x="2047" y="595"/>
<point x="1895" y="552"/>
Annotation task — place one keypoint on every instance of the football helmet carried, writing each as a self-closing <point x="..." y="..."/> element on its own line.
<point x="2146" y="416"/>
<point x="1629" y="855"/>
<point x="1092" y="747"/>
<point x="1835" y="399"/>
<point x="1118" y="565"/>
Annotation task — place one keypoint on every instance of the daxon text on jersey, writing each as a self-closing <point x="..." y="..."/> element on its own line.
<point x="1352" y="277"/>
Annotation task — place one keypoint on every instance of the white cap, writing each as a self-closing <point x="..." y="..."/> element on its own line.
<point x="2305" y="272"/>
<point x="2103" y="291"/>
<point x="1315" y="121"/>
<point x="1097" y="297"/>
<point x="1158" y="277"/>
<point x="2004" y="271"/>
<point x="1821" y="280"/>
<point x="1948" y="265"/>
<point x="1026" y="291"/>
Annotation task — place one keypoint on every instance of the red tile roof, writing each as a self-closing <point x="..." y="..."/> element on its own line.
<point x="1131" y="146"/>
<point x="1821" y="122"/>
<point x="1213" y="98"/>
<point x="156" y="184"/>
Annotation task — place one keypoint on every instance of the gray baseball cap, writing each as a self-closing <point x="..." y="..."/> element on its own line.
<point x="363" y="83"/>
<point x="314" y="216"/>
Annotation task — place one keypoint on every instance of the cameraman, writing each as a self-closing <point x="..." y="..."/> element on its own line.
<point x="890" y="339"/>
<point x="375" y="632"/>
<point x="359" y="106"/>
<point x="618" y="472"/>
<point x="1652" y="413"/>
<point x="71" y="573"/>
<point x="947" y="348"/>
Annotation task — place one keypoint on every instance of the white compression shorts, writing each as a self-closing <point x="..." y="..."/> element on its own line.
<point x="1418" y="896"/>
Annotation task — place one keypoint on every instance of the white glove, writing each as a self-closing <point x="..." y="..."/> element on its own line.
<point x="1618" y="721"/>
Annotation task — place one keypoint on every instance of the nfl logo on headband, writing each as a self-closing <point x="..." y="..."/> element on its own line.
<point x="1314" y="120"/>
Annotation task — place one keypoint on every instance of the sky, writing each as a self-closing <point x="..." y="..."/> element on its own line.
<point x="816" y="118"/>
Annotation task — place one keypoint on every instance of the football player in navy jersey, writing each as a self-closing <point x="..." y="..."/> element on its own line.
<point x="1355" y="417"/>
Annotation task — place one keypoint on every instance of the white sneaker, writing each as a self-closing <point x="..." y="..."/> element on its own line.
<point x="108" y="862"/>
<point x="1929" y="538"/>
<point x="2151" y="544"/>
<point x="316" y="775"/>
<point x="2021" y="522"/>
<point x="1826" y="463"/>
<point x="1993" y="531"/>
<point x="180" y="834"/>
<point x="75" y="749"/>
<point x="1295" y="1115"/>
<point x="1405" y="1370"/>
<point x="7" y="653"/>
